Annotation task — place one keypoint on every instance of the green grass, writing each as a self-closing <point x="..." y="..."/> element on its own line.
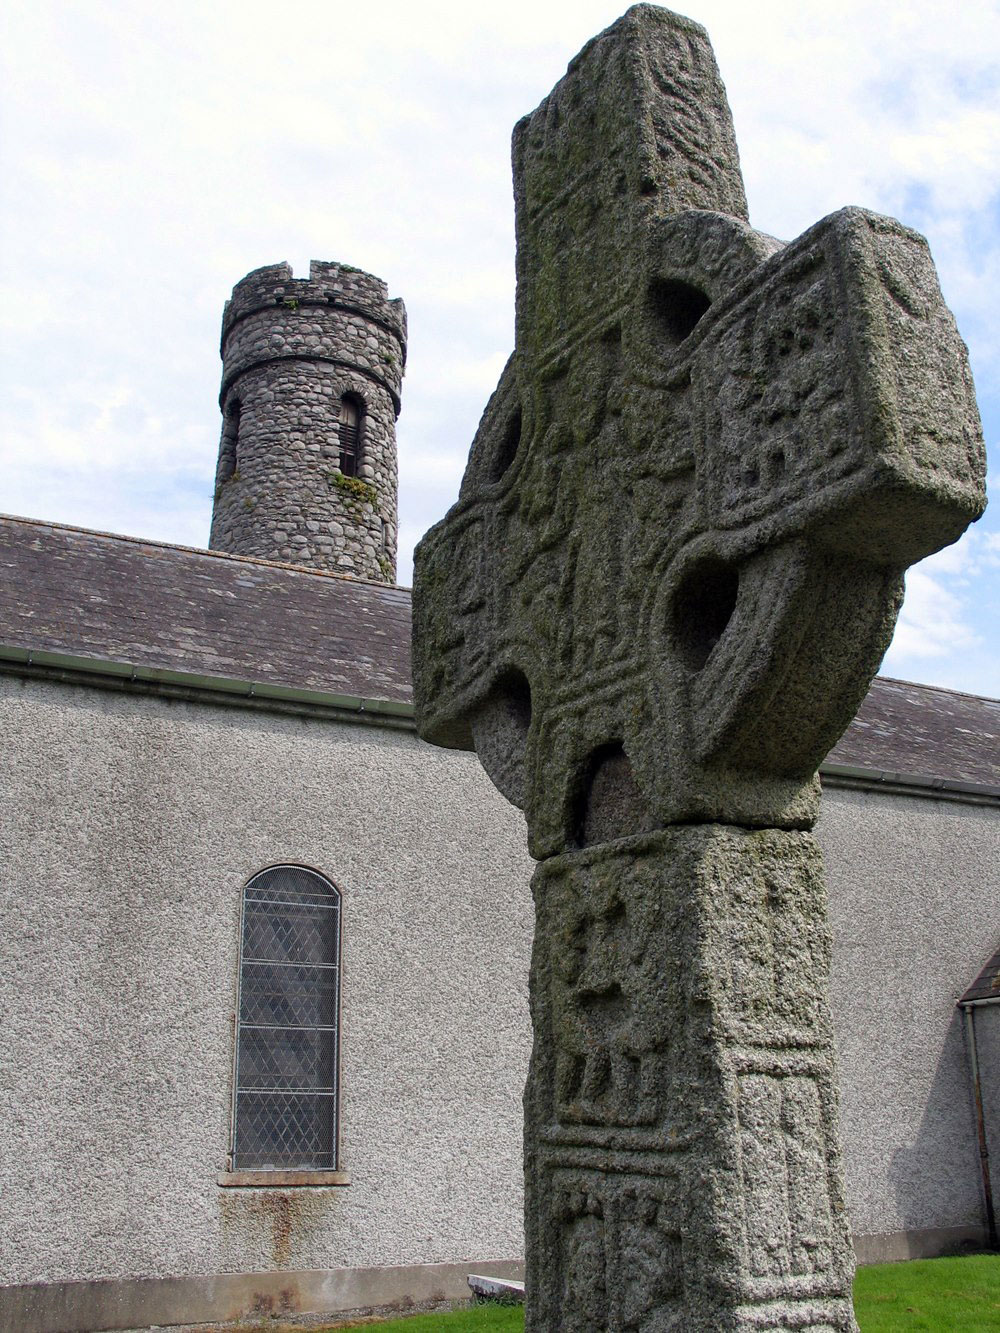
<point x="934" y="1295"/>
<point x="944" y="1295"/>
<point x="474" y="1319"/>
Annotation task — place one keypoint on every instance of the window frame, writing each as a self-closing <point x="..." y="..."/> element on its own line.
<point x="352" y="400"/>
<point x="302" y="1174"/>
<point x="229" y="455"/>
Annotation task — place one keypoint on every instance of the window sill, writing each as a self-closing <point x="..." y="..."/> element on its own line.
<point x="280" y="1179"/>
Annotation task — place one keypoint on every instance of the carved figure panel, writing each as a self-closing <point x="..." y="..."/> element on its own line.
<point x="785" y="1176"/>
<point x="619" y="1244"/>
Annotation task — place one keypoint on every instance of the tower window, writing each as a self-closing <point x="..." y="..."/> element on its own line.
<point x="228" y="450"/>
<point x="285" y="1102"/>
<point x="350" y="434"/>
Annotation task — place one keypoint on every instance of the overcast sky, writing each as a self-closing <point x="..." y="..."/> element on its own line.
<point x="152" y="154"/>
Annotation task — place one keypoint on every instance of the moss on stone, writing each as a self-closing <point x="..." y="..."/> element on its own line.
<point x="352" y="487"/>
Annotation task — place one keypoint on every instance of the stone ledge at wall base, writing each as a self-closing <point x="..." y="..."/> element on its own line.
<point x="86" y="1307"/>
<point x="508" y="1291"/>
<point x="928" y="1243"/>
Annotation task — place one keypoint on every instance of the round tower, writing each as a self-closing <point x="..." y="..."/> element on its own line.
<point x="311" y="374"/>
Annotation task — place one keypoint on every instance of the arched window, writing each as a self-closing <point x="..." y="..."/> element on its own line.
<point x="228" y="453"/>
<point x="350" y="434"/>
<point x="287" y="1045"/>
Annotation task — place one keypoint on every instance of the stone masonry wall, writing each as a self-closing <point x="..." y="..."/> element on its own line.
<point x="291" y="349"/>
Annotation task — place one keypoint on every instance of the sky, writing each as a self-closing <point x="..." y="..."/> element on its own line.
<point x="151" y="155"/>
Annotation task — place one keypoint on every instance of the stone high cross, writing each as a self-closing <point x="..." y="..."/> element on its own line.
<point x="673" y="569"/>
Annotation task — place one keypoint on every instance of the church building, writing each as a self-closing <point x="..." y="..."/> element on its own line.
<point x="265" y="1021"/>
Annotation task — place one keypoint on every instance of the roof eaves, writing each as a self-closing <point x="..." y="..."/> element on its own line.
<point x="397" y="713"/>
<point x="389" y="711"/>
<point x="849" y="775"/>
<point x="986" y="987"/>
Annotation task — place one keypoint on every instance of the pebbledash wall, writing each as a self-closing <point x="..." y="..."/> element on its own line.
<point x="295" y="352"/>
<point x="914" y="885"/>
<point x="132" y="821"/>
<point x="130" y="825"/>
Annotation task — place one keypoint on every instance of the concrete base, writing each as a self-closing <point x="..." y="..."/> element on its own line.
<point x="83" y="1307"/>
<point x="497" y="1288"/>
<point x="896" y="1246"/>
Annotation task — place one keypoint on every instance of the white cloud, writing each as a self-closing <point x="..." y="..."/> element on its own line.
<point x="932" y="622"/>
<point x="948" y="631"/>
<point x="161" y="153"/>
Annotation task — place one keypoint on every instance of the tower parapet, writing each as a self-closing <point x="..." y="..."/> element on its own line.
<point x="311" y="376"/>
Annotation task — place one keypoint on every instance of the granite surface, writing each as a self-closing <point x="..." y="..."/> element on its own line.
<point x="674" y="566"/>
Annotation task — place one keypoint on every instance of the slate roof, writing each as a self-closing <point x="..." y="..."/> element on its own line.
<point x="93" y="595"/>
<point x="906" y="729"/>
<point x="987" y="985"/>
<point x="90" y="594"/>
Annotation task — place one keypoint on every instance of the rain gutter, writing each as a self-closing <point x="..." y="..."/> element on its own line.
<point x="106" y="673"/>
<point x="188" y="686"/>
<point x="909" y="784"/>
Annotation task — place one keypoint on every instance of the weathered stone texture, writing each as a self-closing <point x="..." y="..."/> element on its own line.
<point x="291" y="349"/>
<point x="683" y="1171"/>
<point x="696" y="548"/>
<point x="674" y="566"/>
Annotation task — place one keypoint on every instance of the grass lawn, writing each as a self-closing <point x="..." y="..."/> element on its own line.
<point x="489" y="1318"/>
<point x="946" y="1295"/>
<point x="940" y="1295"/>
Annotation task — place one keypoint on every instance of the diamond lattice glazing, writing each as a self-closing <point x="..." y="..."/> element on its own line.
<point x="286" y="1076"/>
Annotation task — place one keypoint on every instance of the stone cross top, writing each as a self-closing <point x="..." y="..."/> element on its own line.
<point x="674" y="566"/>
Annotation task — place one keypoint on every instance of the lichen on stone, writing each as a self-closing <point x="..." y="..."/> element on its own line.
<point x="353" y="487"/>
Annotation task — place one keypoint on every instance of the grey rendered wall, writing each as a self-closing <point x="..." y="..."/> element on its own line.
<point x="128" y="827"/>
<point x="915" y="905"/>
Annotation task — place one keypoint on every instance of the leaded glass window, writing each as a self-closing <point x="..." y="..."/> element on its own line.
<point x="287" y="1043"/>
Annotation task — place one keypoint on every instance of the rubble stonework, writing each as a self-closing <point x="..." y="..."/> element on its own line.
<point x="674" y="566"/>
<point x="291" y="349"/>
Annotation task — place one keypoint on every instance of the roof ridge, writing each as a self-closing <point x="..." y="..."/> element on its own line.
<point x="197" y="550"/>
<point x="941" y="689"/>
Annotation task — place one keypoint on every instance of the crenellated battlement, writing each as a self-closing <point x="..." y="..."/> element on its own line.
<point x="329" y="284"/>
